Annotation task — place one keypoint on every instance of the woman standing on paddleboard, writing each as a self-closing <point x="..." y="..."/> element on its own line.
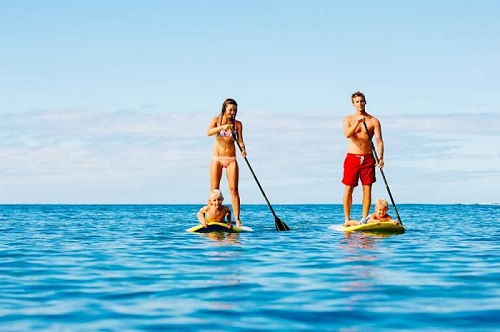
<point x="227" y="129"/>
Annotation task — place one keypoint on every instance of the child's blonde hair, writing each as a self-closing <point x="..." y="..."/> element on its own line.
<point x="382" y="201"/>
<point x="216" y="192"/>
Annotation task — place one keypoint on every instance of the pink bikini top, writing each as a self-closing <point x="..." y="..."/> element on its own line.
<point x="226" y="133"/>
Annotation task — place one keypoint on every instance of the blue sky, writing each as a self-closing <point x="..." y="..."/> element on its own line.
<point x="109" y="101"/>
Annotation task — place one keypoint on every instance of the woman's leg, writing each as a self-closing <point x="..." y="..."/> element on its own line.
<point x="215" y="174"/>
<point x="232" y="172"/>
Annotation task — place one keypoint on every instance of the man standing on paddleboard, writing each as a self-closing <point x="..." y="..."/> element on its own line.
<point x="360" y="163"/>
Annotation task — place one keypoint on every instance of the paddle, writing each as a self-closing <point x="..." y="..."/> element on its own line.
<point x="280" y="225"/>
<point x="383" y="175"/>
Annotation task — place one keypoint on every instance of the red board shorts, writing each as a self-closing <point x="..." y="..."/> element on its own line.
<point x="359" y="166"/>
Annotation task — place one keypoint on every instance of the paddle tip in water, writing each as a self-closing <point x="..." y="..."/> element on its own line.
<point x="280" y="225"/>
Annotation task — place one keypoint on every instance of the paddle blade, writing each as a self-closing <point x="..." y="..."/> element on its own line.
<point x="280" y="225"/>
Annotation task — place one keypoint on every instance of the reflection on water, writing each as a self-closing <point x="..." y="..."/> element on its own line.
<point x="357" y="240"/>
<point x="220" y="271"/>
<point x="359" y="268"/>
<point x="221" y="238"/>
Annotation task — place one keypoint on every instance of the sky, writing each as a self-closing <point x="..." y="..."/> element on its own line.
<point x="105" y="102"/>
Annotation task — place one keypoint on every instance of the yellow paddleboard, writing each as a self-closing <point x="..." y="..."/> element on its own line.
<point x="218" y="227"/>
<point x="383" y="227"/>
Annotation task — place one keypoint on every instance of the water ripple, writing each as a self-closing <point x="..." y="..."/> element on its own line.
<point x="130" y="268"/>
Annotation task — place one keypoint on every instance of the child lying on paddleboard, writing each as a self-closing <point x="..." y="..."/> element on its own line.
<point x="214" y="211"/>
<point x="380" y="215"/>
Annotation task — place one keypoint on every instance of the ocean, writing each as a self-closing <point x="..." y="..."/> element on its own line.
<point x="135" y="268"/>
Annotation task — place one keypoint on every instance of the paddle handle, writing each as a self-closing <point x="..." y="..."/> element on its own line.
<point x="382" y="172"/>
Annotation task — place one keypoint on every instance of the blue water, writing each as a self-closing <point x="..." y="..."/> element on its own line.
<point x="134" y="268"/>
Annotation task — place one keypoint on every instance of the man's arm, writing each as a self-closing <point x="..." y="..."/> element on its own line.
<point x="380" y="143"/>
<point x="350" y="129"/>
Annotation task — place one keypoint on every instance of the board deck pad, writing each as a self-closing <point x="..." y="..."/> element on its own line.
<point x="383" y="227"/>
<point x="218" y="227"/>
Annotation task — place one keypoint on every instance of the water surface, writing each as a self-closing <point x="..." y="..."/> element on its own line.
<point x="134" y="268"/>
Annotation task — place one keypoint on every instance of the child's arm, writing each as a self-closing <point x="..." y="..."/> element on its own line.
<point x="396" y="222"/>
<point x="388" y="218"/>
<point x="373" y="220"/>
<point x="201" y="216"/>
<point x="228" y="215"/>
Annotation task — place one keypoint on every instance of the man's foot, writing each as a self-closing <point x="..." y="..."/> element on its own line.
<point x="238" y="223"/>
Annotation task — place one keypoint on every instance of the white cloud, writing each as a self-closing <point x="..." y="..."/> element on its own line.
<point x="79" y="156"/>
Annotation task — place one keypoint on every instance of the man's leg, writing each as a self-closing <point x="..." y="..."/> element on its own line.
<point x="367" y="199"/>
<point x="347" y="202"/>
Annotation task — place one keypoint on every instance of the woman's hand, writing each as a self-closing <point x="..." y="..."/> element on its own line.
<point x="227" y="127"/>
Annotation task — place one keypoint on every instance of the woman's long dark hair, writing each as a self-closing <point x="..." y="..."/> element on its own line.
<point x="229" y="101"/>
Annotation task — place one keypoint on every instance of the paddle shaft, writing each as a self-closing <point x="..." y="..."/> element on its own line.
<point x="382" y="172"/>
<point x="280" y="225"/>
